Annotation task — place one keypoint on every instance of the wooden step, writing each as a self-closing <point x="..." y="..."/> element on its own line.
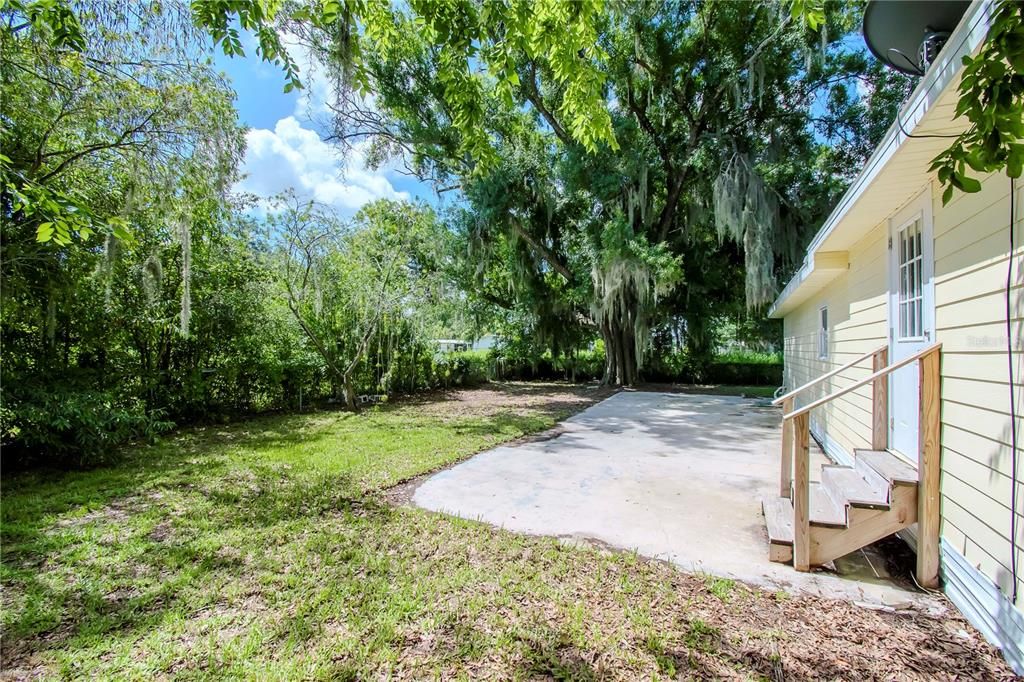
<point x="824" y="510"/>
<point x="893" y="469"/>
<point x="846" y="485"/>
<point x="866" y="526"/>
<point x="778" y="519"/>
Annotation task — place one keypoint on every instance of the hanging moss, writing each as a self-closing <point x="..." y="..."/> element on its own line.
<point x="185" y="234"/>
<point x="105" y="270"/>
<point x="51" y="315"/>
<point x="746" y="212"/>
<point x="624" y="291"/>
<point x="152" y="278"/>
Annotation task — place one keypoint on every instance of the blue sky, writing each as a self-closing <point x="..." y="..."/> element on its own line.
<point x="284" y="145"/>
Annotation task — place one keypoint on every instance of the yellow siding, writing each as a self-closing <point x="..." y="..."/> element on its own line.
<point x="856" y="303"/>
<point x="971" y="251"/>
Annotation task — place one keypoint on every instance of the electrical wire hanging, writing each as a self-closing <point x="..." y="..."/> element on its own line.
<point x="903" y="130"/>
<point x="1013" y="401"/>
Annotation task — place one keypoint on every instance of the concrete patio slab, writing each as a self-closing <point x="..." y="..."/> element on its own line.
<point x="674" y="477"/>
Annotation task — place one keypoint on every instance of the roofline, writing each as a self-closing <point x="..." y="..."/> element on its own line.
<point x="940" y="75"/>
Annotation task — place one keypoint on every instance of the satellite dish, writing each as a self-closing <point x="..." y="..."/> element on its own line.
<point x="908" y="34"/>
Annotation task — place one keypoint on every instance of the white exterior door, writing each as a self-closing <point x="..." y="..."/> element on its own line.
<point x="911" y="316"/>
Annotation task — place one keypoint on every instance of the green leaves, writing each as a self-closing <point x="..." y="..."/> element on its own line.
<point x="812" y="12"/>
<point x="44" y="232"/>
<point x="478" y="45"/>
<point x="93" y="140"/>
<point x="992" y="99"/>
<point x="52" y="18"/>
<point x="259" y="17"/>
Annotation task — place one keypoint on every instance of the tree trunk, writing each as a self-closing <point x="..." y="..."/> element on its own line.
<point x="349" y="390"/>
<point x="620" y="364"/>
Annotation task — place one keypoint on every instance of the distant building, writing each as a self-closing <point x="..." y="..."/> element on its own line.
<point x="452" y="345"/>
<point x="485" y="342"/>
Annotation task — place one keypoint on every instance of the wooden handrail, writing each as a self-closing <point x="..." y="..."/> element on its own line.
<point x="796" y="455"/>
<point x="815" y="382"/>
<point x="867" y="380"/>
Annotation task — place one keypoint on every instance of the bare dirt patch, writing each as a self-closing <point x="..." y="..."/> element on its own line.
<point x="558" y="399"/>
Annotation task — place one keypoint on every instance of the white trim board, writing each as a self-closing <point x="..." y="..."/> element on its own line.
<point x="984" y="605"/>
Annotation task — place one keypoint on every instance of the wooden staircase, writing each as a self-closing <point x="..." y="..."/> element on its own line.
<point x="850" y="508"/>
<point x="812" y="523"/>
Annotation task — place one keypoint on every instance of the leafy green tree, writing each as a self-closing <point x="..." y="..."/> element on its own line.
<point x="707" y="101"/>
<point x="133" y="96"/>
<point x="481" y="42"/>
<point x="344" y="283"/>
<point x="122" y="143"/>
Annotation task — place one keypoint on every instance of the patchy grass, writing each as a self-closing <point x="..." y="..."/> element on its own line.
<point x="266" y="550"/>
<point x="720" y="587"/>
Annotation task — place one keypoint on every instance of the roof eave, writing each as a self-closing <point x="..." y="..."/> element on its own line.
<point x="967" y="37"/>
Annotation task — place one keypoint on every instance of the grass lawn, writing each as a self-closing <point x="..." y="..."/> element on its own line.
<point x="268" y="549"/>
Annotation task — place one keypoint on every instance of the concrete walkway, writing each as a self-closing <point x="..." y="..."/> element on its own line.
<point x="674" y="477"/>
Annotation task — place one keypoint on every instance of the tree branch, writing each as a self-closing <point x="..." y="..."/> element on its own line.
<point x="532" y="93"/>
<point x="545" y="253"/>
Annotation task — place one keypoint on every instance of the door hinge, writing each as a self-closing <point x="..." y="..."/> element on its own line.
<point x="890" y="243"/>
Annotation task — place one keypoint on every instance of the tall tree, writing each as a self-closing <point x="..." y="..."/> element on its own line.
<point x="345" y="283"/>
<point x="711" y="107"/>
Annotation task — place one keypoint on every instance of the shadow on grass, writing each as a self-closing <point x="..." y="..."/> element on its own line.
<point x="113" y="551"/>
<point x="95" y="560"/>
<point x="109" y="551"/>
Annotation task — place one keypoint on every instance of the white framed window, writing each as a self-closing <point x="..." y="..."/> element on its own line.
<point x="910" y="287"/>
<point x="823" y="332"/>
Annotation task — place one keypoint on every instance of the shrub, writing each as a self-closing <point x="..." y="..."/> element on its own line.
<point x="744" y="373"/>
<point x="749" y="357"/>
<point x="71" y="426"/>
<point x="462" y="368"/>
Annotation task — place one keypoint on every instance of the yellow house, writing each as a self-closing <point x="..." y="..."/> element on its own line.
<point x="893" y="277"/>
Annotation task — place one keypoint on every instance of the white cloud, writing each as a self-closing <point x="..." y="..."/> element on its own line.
<point x="294" y="157"/>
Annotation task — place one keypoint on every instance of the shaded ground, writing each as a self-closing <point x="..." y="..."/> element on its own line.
<point x="266" y="550"/>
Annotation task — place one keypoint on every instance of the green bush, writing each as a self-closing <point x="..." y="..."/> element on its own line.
<point x="744" y="373"/>
<point x="737" y="368"/>
<point x="749" y="357"/>
<point x="462" y="368"/>
<point x="73" y="426"/>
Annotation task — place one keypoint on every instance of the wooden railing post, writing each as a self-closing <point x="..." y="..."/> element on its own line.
<point x="928" y="468"/>
<point x="787" y="450"/>
<point x="880" y="402"/>
<point x="801" y="492"/>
